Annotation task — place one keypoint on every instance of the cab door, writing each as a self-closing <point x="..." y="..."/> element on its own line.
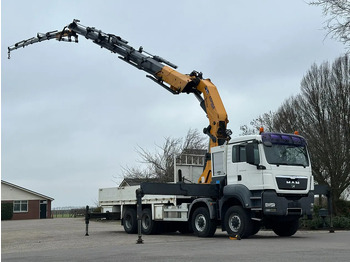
<point x="239" y="171"/>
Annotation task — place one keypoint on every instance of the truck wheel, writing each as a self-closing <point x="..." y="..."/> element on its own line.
<point x="202" y="225"/>
<point x="238" y="222"/>
<point x="286" y="228"/>
<point x="256" y="227"/>
<point x="130" y="221"/>
<point x="167" y="227"/>
<point x="148" y="225"/>
<point x="184" y="228"/>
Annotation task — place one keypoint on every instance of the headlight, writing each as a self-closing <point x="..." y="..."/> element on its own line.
<point x="270" y="204"/>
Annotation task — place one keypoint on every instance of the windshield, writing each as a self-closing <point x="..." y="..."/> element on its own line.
<point x="285" y="149"/>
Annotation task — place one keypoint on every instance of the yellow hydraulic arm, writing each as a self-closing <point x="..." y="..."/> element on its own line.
<point x="161" y="71"/>
<point x="213" y="106"/>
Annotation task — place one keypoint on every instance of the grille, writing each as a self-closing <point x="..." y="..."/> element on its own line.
<point x="291" y="183"/>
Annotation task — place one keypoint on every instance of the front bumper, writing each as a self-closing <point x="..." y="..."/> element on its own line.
<point x="284" y="205"/>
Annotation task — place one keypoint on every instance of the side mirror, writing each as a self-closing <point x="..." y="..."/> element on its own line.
<point x="250" y="154"/>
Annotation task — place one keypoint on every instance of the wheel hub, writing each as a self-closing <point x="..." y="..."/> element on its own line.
<point x="235" y="223"/>
<point x="128" y="221"/>
<point x="146" y="222"/>
<point x="200" y="222"/>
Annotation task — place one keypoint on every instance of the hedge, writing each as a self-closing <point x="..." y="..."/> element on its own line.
<point x="6" y="211"/>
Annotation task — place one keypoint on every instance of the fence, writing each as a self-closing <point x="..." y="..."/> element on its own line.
<point x="69" y="212"/>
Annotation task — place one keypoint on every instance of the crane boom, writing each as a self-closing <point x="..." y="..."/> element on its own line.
<point x="160" y="70"/>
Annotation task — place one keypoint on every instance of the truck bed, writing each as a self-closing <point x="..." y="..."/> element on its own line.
<point x="114" y="196"/>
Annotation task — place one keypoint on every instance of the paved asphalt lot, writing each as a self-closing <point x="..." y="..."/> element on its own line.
<point x="63" y="239"/>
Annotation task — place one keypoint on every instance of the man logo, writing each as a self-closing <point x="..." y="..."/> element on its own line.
<point x="293" y="182"/>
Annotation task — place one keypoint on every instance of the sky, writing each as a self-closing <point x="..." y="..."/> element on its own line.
<point x="73" y="115"/>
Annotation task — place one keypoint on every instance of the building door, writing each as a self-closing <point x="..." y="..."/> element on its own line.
<point x="43" y="208"/>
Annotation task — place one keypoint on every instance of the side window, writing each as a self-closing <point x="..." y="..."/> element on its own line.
<point x="256" y="154"/>
<point x="242" y="154"/>
<point x="218" y="164"/>
<point x="238" y="153"/>
<point x="235" y="156"/>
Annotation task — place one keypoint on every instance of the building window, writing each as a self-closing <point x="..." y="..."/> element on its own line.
<point x="20" y="206"/>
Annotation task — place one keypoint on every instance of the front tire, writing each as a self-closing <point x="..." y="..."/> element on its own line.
<point x="256" y="227"/>
<point x="202" y="225"/>
<point x="184" y="228"/>
<point x="238" y="222"/>
<point x="286" y="228"/>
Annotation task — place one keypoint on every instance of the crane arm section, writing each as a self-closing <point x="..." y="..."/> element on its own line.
<point x="160" y="70"/>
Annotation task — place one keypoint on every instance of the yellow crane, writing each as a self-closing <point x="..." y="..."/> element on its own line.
<point x="161" y="71"/>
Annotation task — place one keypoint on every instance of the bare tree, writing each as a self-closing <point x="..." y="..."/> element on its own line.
<point x="265" y="120"/>
<point x="322" y="113"/>
<point x="338" y="18"/>
<point x="159" y="165"/>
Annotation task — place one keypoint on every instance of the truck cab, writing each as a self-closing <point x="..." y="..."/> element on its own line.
<point x="269" y="161"/>
<point x="268" y="175"/>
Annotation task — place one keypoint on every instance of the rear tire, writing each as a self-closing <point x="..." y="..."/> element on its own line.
<point x="202" y="225"/>
<point x="130" y="221"/>
<point x="148" y="226"/>
<point x="238" y="222"/>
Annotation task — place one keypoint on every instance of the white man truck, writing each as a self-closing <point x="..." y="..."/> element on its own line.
<point x="257" y="180"/>
<point x="245" y="183"/>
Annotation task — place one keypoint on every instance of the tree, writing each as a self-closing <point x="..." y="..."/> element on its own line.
<point x="338" y="22"/>
<point x="321" y="112"/>
<point x="159" y="165"/>
<point x="265" y="120"/>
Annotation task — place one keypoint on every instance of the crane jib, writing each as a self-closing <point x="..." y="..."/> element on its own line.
<point x="160" y="71"/>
